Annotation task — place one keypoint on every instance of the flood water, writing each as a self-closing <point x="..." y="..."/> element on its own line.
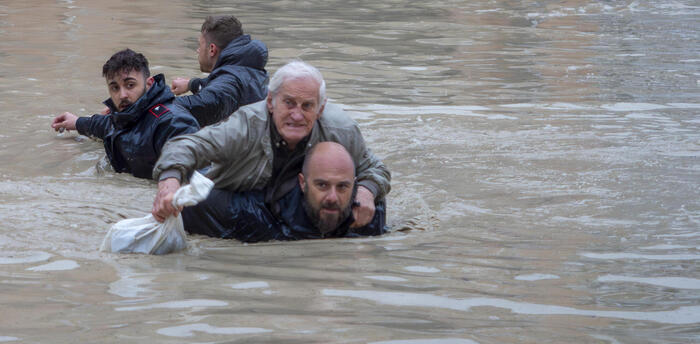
<point x="545" y="159"/>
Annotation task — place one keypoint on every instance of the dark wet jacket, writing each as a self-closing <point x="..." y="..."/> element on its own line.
<point x="133" y="139"/>
<point x="246" y="217"/>
<point x="238" y="78"/>
<point x="297" y="225"/>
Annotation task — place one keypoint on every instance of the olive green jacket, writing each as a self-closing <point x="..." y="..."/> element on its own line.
<point x="239" y="150"/>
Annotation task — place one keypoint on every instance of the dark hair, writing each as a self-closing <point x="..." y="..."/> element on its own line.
<point x="221" y="30"/>
<point x="125" y="61"/>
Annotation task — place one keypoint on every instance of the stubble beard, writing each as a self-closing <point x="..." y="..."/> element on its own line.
<point x="123" y="105"/>
<point x="330" y="222"/>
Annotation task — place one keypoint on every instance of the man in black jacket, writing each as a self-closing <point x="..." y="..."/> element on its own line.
<point x="236" y="64"/>
<point x="319" y="206"/>
<point x="141" y="119"/>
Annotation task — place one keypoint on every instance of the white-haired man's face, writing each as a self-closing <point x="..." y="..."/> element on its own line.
<point x="295" y="109"/>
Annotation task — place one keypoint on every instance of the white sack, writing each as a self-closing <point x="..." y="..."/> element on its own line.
<point x="146" y="235"/>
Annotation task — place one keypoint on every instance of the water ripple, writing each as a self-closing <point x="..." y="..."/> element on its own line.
<point x="59" y="265"/>
<point x="188" y="330"/>
<point x="670" y="282"/>
<point x="197" y="303"/>
<point x="682" y="315"/>
<point x="623" y="255"/>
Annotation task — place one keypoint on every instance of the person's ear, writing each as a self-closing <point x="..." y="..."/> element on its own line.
<point x="269" y="102"/>
<point x="149" y="82"/>
<point x="213" y="50"/>
<point x="302" y="182"/>
<point x="320" y="111"/>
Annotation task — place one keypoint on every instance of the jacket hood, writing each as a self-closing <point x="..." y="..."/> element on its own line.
<point x="159" y="93"/>
<point x="244" y="51"/>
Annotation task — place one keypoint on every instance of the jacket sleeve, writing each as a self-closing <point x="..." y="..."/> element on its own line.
<point x="175" y="126"/>
<point x="94" y="126"/>
<point x="186" y="153"/>
<point x="196" y="84"/>
<point x="215" y="101"/>
<point x="371" y="172"/>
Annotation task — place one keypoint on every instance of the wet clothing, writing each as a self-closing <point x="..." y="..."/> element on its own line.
<point x="286" y="165"/>
<point x="238" y="78"/>
<point x="252" y="169"/>
<point x="245" y="216"/>
<point x="239" y="151"/>
<point x="133" y="138"/>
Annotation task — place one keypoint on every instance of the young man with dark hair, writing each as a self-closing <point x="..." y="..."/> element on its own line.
<point x="236" y="64"/>
<point x="142" y="115"/>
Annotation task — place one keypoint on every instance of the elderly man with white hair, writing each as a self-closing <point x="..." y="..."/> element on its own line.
<point x="262" y="147"/>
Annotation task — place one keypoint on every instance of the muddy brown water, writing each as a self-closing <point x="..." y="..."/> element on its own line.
<point x="545" y="157"/>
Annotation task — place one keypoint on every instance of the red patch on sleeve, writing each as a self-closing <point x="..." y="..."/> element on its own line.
<point x="158" y="110"/>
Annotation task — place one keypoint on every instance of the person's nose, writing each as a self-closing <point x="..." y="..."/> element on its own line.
<point x="332" y="196"/>
<point x="296" y="114"/>
<point x="123" y="94"/>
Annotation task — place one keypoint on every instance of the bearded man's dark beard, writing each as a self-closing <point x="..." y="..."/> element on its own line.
<point x="123" y="105"/>
<point x="330" y="223"/>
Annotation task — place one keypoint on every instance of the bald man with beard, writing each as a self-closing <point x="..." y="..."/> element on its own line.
<point x="320" y="206"/>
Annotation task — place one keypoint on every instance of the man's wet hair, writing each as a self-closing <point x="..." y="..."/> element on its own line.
<point x="221" y="30"/>
<point x="126" y="61"/>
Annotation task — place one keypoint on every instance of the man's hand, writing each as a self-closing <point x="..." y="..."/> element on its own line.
<point x="64" y="121"/>
<point x="180" y="85"/>
<point x="163" y="204"/>
<point x="105" y="111"/>
<point x="364" y="212"/>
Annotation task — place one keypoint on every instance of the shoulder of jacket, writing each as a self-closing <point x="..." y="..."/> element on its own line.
<point x="248" y="120"/>
<point x="224" y="78"/>
<point x="221" y="71"/>
<point x="254" y="111"/>
<point x="334" y="116"/>
<point x="171" y="111"/>
<point x="159" y="110"/>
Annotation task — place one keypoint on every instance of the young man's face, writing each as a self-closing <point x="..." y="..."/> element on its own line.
<point x="125" y="88"/>
<point x="328" y="191"/>
<point x="204" y="55"/>
<point x="295" y="109"/>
